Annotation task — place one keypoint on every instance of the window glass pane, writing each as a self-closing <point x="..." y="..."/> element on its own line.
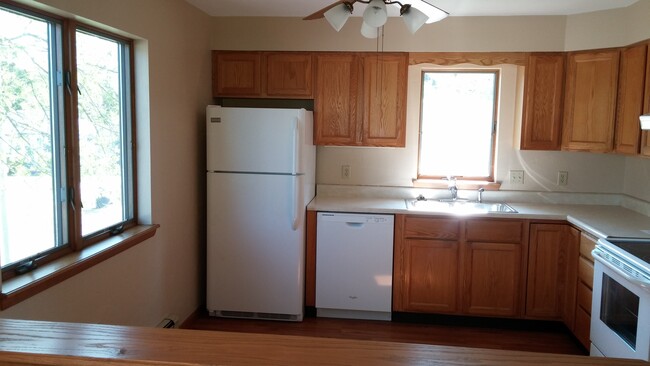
<point x="30" y="208"/>
<point x="457" y="124"/>
<point x="102" y="132"/>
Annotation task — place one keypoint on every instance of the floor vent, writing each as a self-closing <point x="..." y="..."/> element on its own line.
<point x="166" y="323"/>
<point x="254" y="315"/>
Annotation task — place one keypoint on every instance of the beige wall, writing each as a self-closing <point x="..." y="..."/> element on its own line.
<point x="452" y="34"/>
<point x="609" y="28"/>
<point x="162" y="276"/>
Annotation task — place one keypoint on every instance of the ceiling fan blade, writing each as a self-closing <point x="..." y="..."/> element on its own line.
<point x="321" y="13"/>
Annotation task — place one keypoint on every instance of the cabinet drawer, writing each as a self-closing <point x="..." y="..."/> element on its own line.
<point x="587" y="244"/>
<point x="497" y="231"/>
<point x="586" y="272"/>
<point x="431" y="228"/>
<point x="583" y="326"/>
<point x="584" y="297"/>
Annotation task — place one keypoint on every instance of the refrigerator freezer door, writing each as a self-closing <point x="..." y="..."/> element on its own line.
<point x="255" y="260"/>
<point x="258" y="140"/>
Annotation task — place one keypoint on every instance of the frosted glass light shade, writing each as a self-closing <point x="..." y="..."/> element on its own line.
<point x="434" y="14"/>
<point x="337" y="16"/>
<point x="375" y="14"/>
<point x="369" y="31"/>
<point x="414" y="19"/>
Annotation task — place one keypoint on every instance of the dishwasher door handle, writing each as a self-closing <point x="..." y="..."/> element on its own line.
<point x="354" y="224"/>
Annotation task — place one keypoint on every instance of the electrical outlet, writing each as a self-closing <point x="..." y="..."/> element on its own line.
<point x="346" y="172"/>
<point x="516" y="177"/>
<point x="562" y="178"/>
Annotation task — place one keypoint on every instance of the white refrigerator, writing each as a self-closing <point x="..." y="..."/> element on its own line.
<point x="260" y="178"/>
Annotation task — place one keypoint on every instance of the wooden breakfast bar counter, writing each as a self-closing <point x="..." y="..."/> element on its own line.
<point x="25" y="342"/>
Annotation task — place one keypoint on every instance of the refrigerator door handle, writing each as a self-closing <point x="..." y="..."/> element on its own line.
<point x="295" y="191"/>
<point x="296" y="146"/>
<point x="296" y="195"/>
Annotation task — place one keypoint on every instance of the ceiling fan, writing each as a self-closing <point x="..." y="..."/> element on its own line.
<point x="415" y="13"/>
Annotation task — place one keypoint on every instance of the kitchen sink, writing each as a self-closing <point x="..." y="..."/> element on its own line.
<point x="458" y="206"/>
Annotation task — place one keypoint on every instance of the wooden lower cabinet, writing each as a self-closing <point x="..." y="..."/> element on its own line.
<point x="430" y="281"/>
<point x="584" y="287"/>
<point x="547" y="271"/>
<point x="493" y="279"/>
<point x="453" y="266"/>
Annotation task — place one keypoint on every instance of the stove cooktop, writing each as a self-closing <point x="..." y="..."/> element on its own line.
<point x="635" y="249"/>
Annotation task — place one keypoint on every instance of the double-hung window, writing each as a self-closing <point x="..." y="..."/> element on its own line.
<point x="458" y="124"/>
<point x="66" y="137"/>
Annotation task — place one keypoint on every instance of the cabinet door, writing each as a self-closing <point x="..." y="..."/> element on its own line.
<point x="547" y="271"/>
<point x="236" y="74"/>
<point x="336" y="103"/>
<point x="289" y="74"/>
<point x="543" y="98"/>
<point x="631" y="87"/>
<point x="590" y="101"/>
<point x="384" y="91"/>
<point x="494" y="264"/>
<point x="429" y="282"/>
<point x="493" y="273"/>
<point x="645" y="135"/>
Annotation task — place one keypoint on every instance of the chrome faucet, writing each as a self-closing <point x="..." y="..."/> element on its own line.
<point x="451" y="185"/>
<point x="479" y="195"/>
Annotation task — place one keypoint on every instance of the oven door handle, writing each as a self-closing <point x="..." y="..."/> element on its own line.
<point x="598" y="255"/>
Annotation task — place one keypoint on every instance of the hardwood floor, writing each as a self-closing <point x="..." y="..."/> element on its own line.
<point x="531" y="336"/>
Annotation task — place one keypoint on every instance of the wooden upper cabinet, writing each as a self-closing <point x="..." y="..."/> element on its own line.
<point x="251" y="74"/>
<point x="590" y="101"/>
<point x="384" y="91"/>
<point x="236" y="74"/>
<point x="543" y="98"/>
<point x="336" y="99"/>
<point x="645" y="135"/>
<point x="360" y="99"/>
<point x="289" y="74"/>
<point x="631" y="87"/>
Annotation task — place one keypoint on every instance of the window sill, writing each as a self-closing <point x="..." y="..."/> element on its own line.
<point x="460" y="184"/>
<point x="25" y="286"/>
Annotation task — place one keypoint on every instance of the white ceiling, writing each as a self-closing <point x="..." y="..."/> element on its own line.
<point x="302" y="8"/>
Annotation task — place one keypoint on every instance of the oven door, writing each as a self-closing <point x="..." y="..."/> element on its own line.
<point x="620" y="313"/>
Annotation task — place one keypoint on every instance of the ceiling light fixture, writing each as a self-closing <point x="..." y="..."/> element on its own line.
<point x="376" y="14"/>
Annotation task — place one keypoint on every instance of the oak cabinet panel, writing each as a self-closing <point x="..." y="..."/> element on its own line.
<point x="590" y="101"/>
<point x="645" y="135"/>
<point x="583" y="327"/>
<point x="573" y="251"/>
<point x="548" y="254"/>
<point x="236" y="74"/>
<point x="426" y="259"/>
<point x="543" y="98"/>
<point x="431" y="277"/>
<point x="384" y="91"/>
<point x="253" y="74"/>
<point x="336" y="101"/>
<point x="289" y="74"/>
<point x="453" y="266"/>
<point x="360" y="99"/>
<point x="493" y="275"/>
<point x="583" y="286"/>
<point x="631" y="88"/>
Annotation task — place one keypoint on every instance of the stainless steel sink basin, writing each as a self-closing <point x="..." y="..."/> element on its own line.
<point x="458" y="207"/>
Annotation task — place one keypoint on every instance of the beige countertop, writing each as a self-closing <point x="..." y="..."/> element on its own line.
<point x="598" y="220"/>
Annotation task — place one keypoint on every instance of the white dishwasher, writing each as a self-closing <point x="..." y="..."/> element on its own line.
<point x="354" y="265"/>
